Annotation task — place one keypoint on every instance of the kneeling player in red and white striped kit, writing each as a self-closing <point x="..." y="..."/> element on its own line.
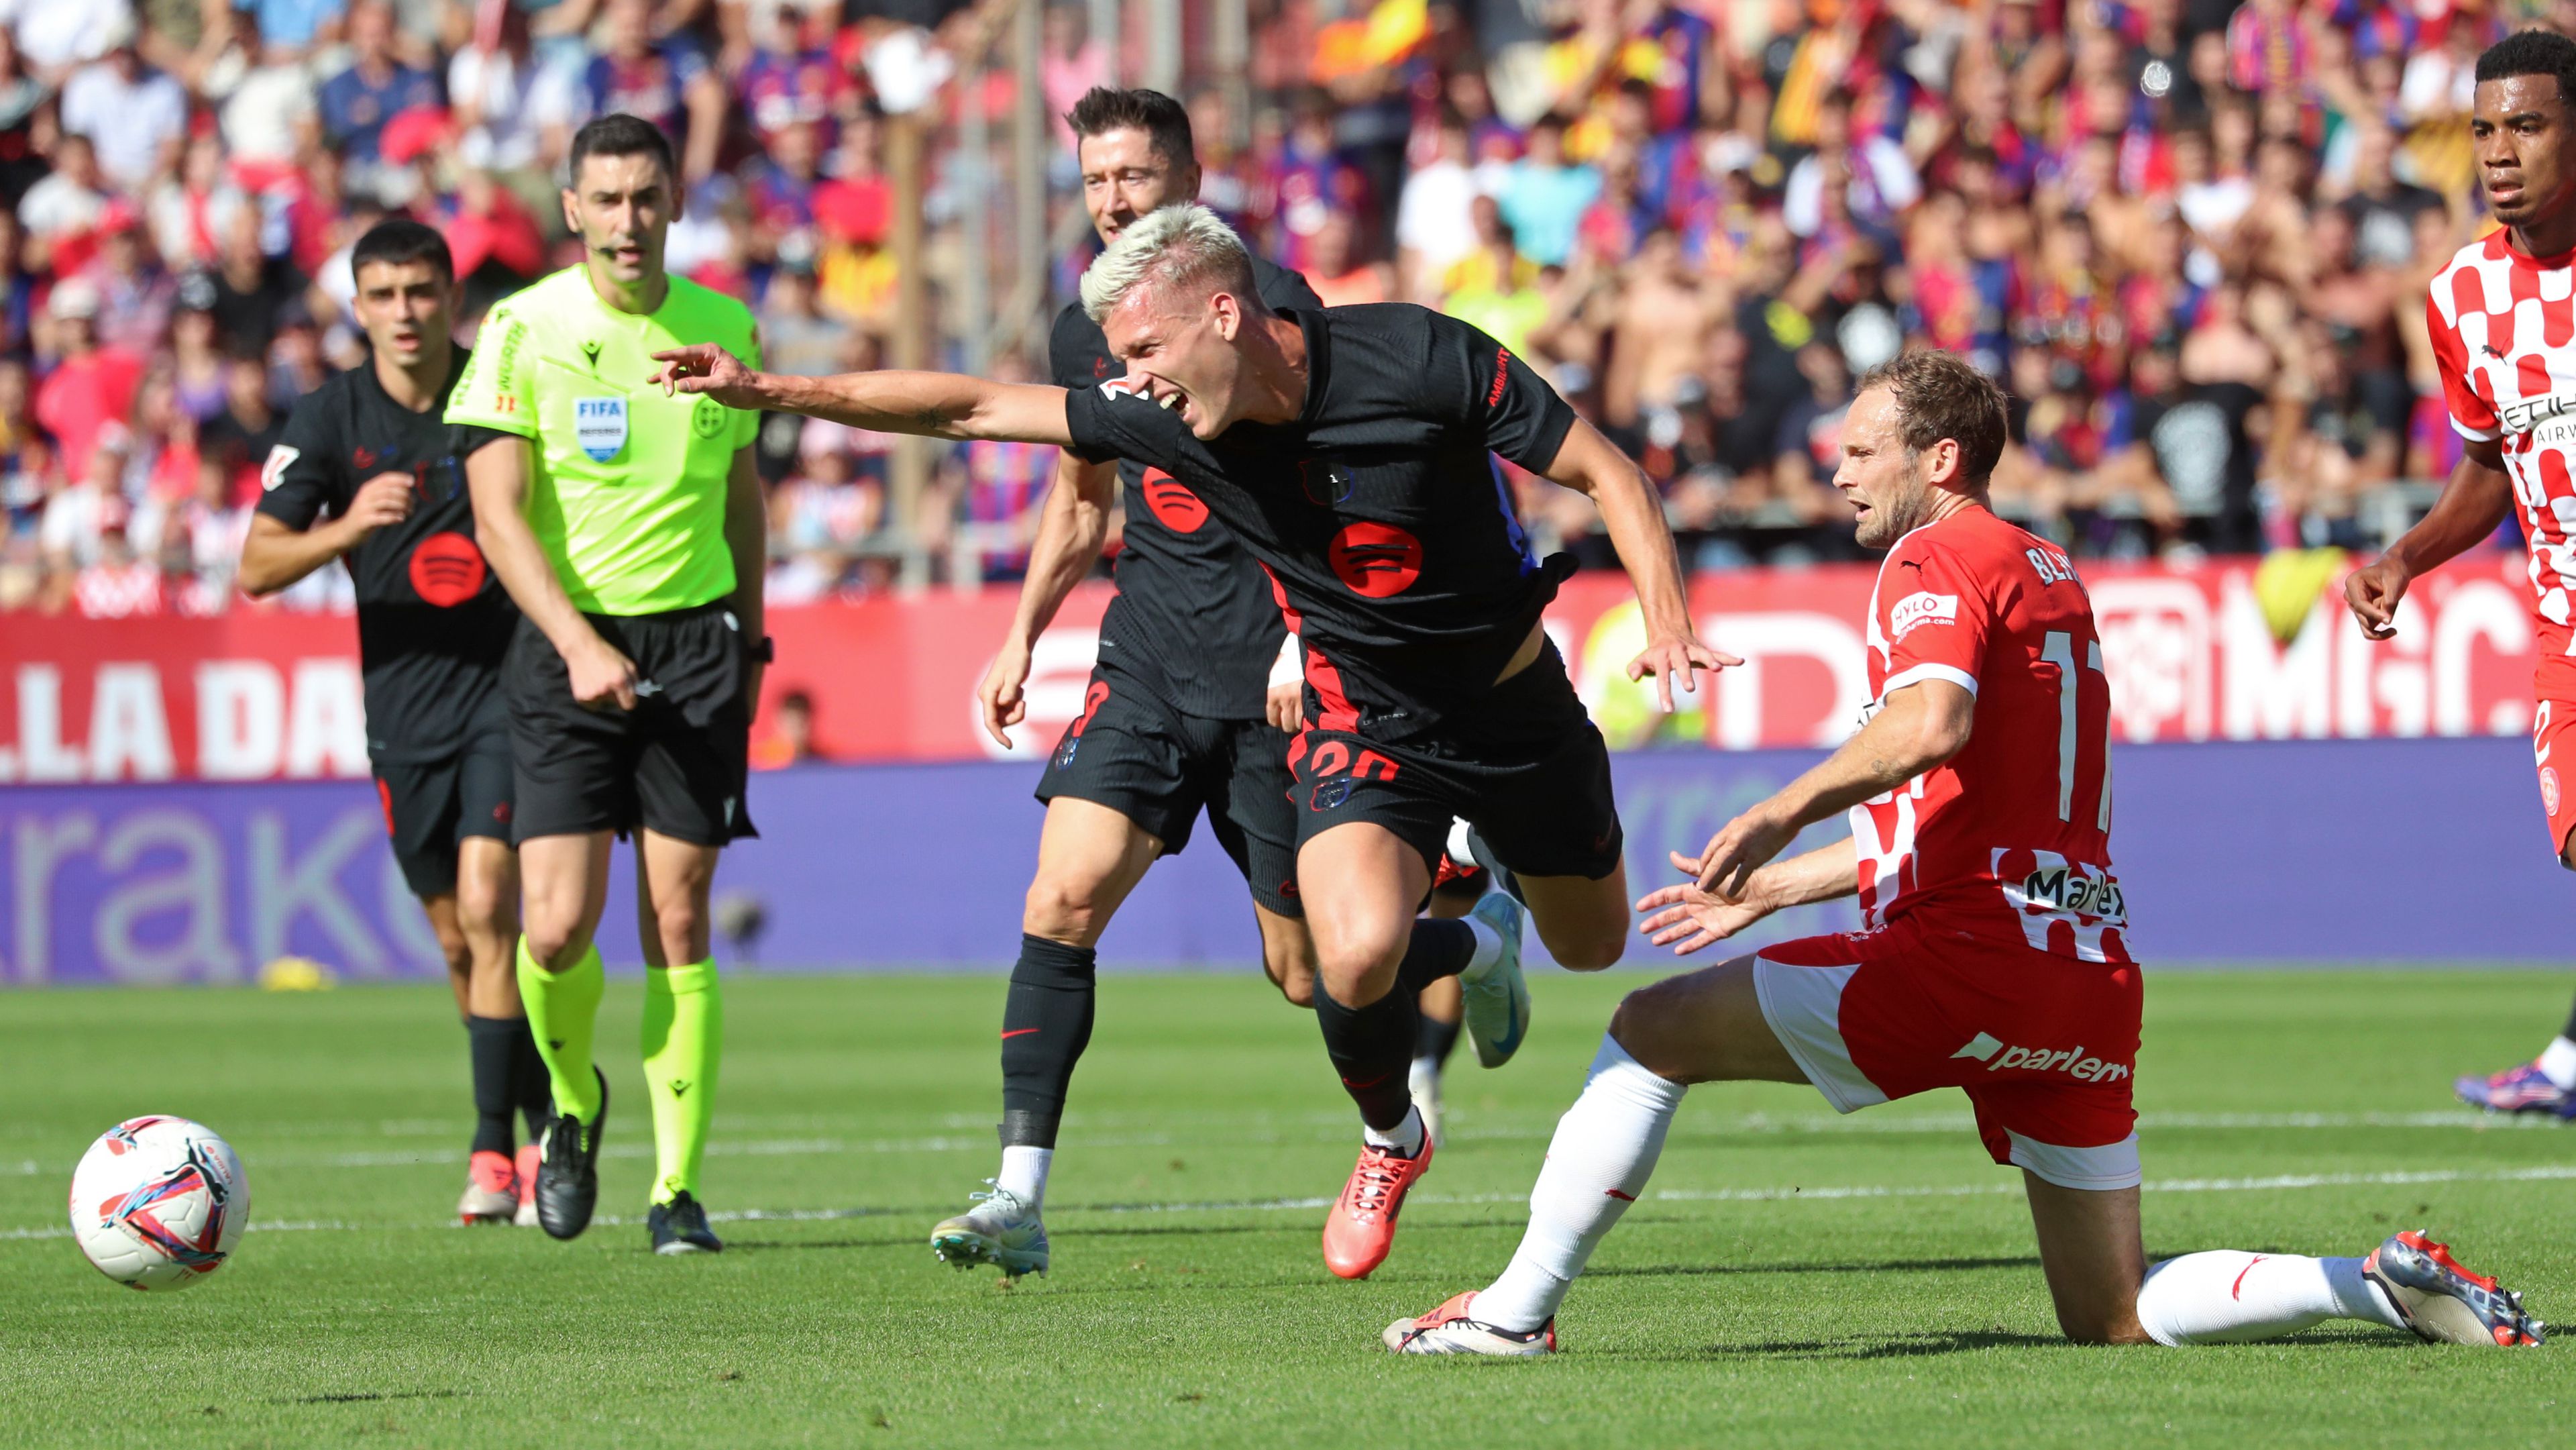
<point x="1992" y="955"/>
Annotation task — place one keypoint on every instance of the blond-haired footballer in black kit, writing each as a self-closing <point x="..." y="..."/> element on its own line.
<point x="1350" y="451"/>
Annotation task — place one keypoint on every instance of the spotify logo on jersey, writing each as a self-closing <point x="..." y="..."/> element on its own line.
<point x="1173" y="503"/>
<point x="446" y="569"/>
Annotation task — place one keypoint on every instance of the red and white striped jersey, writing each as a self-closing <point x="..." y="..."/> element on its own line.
<point x="2504" y="334"/>
<point x="2010" y="840"/>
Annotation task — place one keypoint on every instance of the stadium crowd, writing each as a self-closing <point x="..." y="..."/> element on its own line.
<point x="2192" y="236"/>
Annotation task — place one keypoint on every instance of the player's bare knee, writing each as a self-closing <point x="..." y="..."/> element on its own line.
<point x="1058" y="910"/>
<point x="2102" y="1329"/>
<point x="2567" y="854"/>
<point x="1586" y="951"/>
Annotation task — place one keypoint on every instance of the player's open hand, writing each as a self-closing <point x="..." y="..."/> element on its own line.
<point x="602" y="676"/>
<point x="1001" y="693"/>
<point x="1686" y="918"/>
<point x="2373" y="591"/>
<point x="1680" y="655"/>
<point x="1743" y="846"/>
<point x="1286" y="706"/>
<point x="704" y="367"/>
<point x="381" y="502"/>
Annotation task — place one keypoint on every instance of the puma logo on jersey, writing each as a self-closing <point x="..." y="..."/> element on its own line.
<point x="1924" y="607"/>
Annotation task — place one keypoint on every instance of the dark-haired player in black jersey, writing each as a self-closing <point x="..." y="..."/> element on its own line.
<point x="368" y="473"/>
<point x="1348" y="451"/>
<point x="1175" y="716"/>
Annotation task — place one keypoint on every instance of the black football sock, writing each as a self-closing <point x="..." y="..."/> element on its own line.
<point x="1372" y="1046"/>
<point x="530" y="1088"/>
<point x="487" y="1039"/>
<point x="1046" y="1022"/>
<point x="1435" y="1040"/>
<point x="2570" y="1033"/>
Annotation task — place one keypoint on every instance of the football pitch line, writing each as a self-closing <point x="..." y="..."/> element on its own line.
<point x="2273" y="1183"/>
<point x="1754" y="1124"/>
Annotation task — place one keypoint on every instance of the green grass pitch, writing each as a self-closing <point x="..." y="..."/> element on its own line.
<point x="1791" y="1278"/>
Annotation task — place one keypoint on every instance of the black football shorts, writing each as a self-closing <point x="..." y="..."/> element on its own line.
<point x="1526" y="769"/>
<point x="431" y="806"/>
<point x="1134" y="753"/>
<point x="674" y="765"/>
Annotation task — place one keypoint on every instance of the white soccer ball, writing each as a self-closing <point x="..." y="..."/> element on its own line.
<point x="159" y="1202"/>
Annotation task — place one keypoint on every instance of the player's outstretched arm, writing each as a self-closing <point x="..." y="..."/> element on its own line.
<point x="932" y="405"/>
<point x="1920" y="727"/>
<point x="1587" y="463"/>
<point x="1686" y="918"/>
<point x="275" y="556"/>
<point x="496" y="477"/>
<point x="2474" y="502"/>
<point x="1070" y="532"/>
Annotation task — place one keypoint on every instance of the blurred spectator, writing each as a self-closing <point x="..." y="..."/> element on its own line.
<point x="356" y="104"/>
<point x="238" y="438"/>
<point x="1546" y="195"/>
<point x="251" y="288"/>
<point x="1340" y="278"/>
<point x="666" y="81"/>
<point x="796" y="335"/>
<point x="132" y="113"/>
<point x="84" y="400"/>
<point x="1435" y="223"/>
<point x="790" y="739"/>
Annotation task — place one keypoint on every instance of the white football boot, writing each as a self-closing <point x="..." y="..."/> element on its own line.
<point x="1424" y="1082"/>
<point x="1449" y="1330"/>
<point x="1498" y="1003"/>
<point x="999" y="1230"/>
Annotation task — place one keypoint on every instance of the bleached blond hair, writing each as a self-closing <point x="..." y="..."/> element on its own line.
<point x="1184" y="246"/>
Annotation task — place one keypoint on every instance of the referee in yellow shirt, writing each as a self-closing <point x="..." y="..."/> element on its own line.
<point x="628" y="527"/>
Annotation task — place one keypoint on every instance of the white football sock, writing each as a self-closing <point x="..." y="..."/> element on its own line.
<point x="1405" y="1137"/>
<point x="1604" y="1150"/>
<point x="2226" y="1296"/>
<point x="2558" y="1062"/>
<point x="1489" y="950"/>
<point x="1024" y="1173"/>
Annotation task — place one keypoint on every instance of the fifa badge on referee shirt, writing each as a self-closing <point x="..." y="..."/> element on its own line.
<point x="600" y="425"/>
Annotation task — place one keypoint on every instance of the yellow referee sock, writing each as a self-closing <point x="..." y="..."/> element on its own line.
<point x="683" y="1045"/>
<point x="563" y="1013"/>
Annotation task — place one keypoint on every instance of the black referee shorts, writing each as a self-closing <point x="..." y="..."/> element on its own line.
<point x="674" y="765"/>
<point x="1527" y="770"/>
<point x="431" y="806"/>
<point x="1132" y="752"/>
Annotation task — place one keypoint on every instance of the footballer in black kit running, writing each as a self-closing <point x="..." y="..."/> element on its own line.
<point x="377" y="480"/>
<point x="1176" y="716"/>
<point x="1347" y="449"/>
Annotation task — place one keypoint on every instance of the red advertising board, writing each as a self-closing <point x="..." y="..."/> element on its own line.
<point x="2193" y="654"/>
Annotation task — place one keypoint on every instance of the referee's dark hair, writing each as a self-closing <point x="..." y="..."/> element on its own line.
<point x="1165" y="122"/>
<point x="619" y="134"/>
<point x="1942" y="395"/>
<point x="399" y="240"/>
<point x="2532" y="53"/>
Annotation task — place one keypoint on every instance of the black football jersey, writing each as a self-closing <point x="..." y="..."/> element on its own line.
<point x="433" y="621"/>
<point x="1379" y="513"/>
<point x="1193" y="616"/>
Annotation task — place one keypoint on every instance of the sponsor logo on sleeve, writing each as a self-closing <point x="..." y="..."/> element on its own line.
<point x="280" y="458"/>
<point x="1921" y="607"/>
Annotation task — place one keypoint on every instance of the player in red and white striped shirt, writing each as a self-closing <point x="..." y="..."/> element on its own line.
<point x="2503" y="320"/>
<point x="1992" y="955"/>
